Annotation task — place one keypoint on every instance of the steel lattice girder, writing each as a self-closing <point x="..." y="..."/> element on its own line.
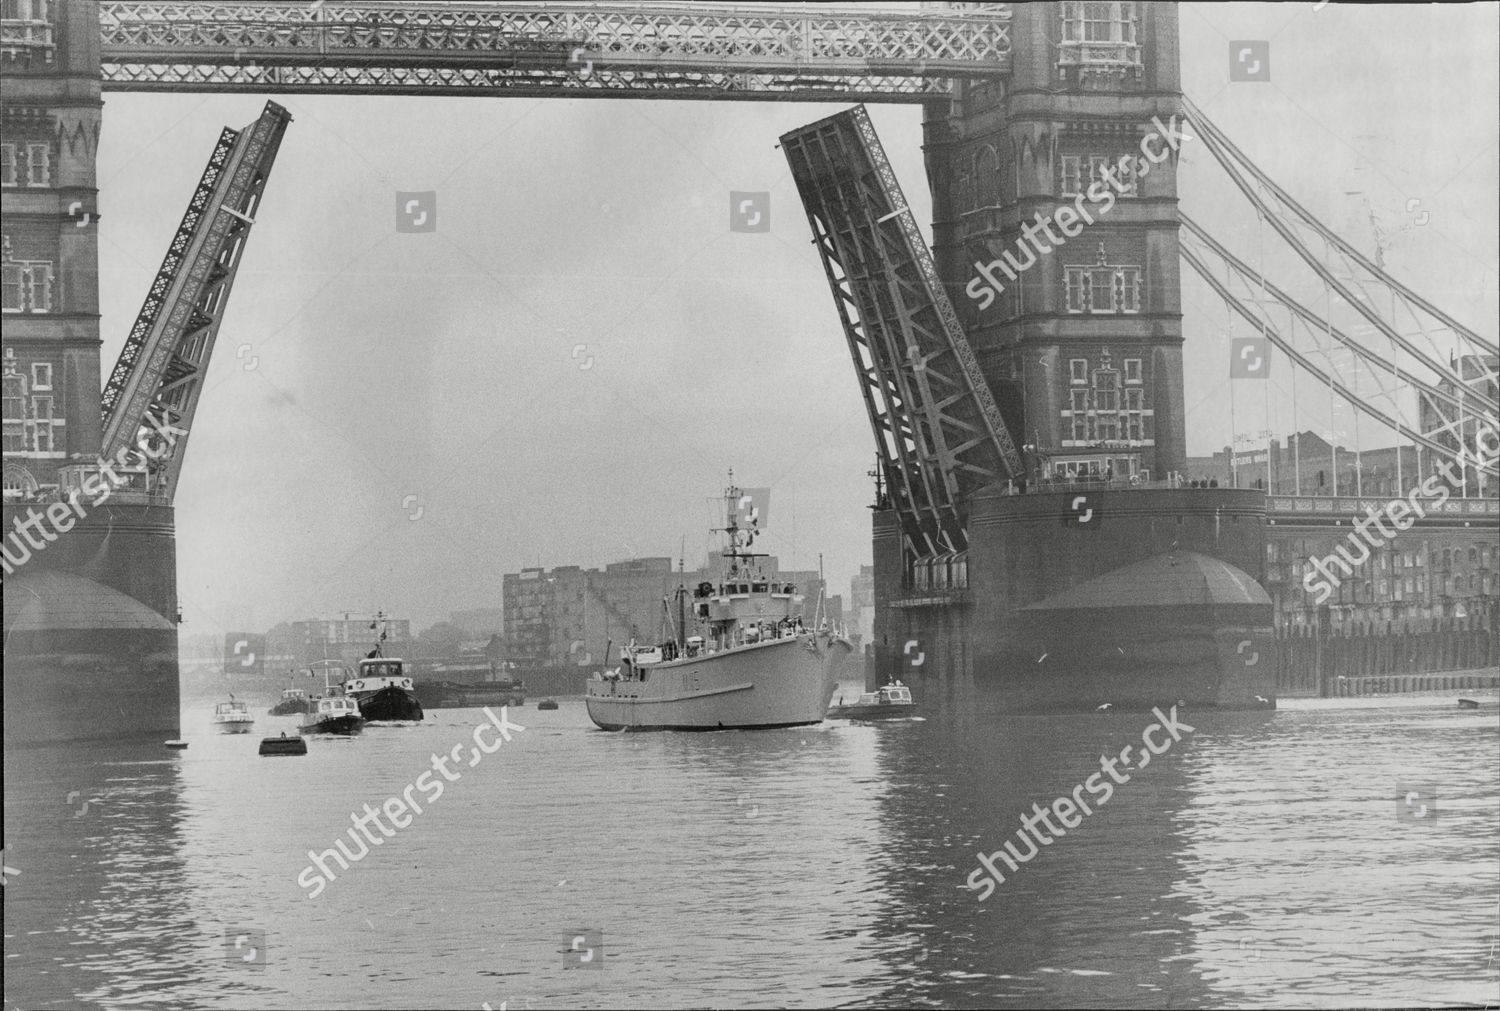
<point x="160" y="370"/>
<point x="1347" y="272"/>
<point x="936" y="424"/>
<point x="385" y="47"/>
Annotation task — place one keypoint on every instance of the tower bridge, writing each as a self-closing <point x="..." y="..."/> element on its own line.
<point x="1058" y="399"/>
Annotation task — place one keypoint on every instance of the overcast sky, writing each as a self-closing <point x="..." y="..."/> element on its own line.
<point x="396" y="420"/>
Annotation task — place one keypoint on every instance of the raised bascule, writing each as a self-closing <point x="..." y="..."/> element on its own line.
<point x="1032" y="530"/>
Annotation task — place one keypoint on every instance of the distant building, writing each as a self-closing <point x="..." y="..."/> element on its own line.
<point x="347" y="638"/>
<point x="862" y="604"/>
<point x="1307" y="464"/>
<point x="1448" y="573"/>
<point x="479" y="623"/>
<point x="566" y="615"/>
<point x="1436" y="572"/>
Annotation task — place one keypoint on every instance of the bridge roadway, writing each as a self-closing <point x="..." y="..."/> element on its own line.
<point x="1316" y="511"/>
<point x="630" y="50"/>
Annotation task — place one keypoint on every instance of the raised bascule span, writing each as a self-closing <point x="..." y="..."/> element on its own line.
<point x="158" y="379"/>
<point x="1073" y="567"/>
<point x="938" y="430"/>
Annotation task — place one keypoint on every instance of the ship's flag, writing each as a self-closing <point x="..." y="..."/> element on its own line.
<point x="751" y="508"/>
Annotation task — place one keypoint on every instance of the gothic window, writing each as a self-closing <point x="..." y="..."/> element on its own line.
<point x="15" y="412"/>
<point x="1074" y="280"/>
<point x="1102" y="289"/>
<point x="987" y="177"/>
<point x="18" y="482"/>
<point x="38" y="164"/>
<point x="25" y="285"/>
<point x="1080" y="405"/>
<point x="1071" y="183"/>
<point x="1106" y="390"/>
<point x="1135" y="419"/>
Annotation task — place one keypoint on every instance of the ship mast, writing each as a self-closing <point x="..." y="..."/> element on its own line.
<point x="732" y="496"/>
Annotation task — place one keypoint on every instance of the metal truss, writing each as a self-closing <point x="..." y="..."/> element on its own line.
<point x="655" y="49"/>
<point x="1241" y="288"/>
<point x="1420" y="335"/>
<point x="159" y="376"/>
<point x="937" y="428"/>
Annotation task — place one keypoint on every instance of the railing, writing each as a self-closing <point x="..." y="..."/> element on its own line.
<point x="1315" y="505"/>
<point x="1118" y="484"/>
<point x="21" y="37"/>
<point x="912" y="597"/>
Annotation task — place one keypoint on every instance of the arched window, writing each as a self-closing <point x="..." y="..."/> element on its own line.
<point x="19" y="484"/>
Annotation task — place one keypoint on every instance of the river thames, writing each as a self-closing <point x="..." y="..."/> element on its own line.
<point x="1330" y="854"/>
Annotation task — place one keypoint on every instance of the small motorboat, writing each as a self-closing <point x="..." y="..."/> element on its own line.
<point x="283" y="745"/>
<point x="233" y="717"/>
<point x="333" y="714"/>
<point x="547" y="704"/>
<point x="892" y="701"/>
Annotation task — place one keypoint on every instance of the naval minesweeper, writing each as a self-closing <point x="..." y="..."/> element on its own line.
<point x="751" y="662"/>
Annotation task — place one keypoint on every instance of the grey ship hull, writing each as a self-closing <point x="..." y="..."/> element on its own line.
<point x="781" y="683"/>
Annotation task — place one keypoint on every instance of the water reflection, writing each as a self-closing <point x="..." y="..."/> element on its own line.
<point x="1260" y="861"/>
<point x="84" y="834"/>
<point x="1090" y="920"/>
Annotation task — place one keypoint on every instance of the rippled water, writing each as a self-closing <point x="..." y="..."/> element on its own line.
<point x="1260" y="862"/>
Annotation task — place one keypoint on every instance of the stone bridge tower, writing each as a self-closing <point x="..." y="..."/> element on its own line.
<point x="1081" y="340"/>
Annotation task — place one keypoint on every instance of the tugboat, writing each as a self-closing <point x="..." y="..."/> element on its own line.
<point x="752" y="664"/>
<point x="892" y="701"/>
<point x="333" y="714"/>
<point x="293" y="703"/>
<point x="382" y="686"/>
<point x="233" y="717"/>
<point x="296" y="701"/>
